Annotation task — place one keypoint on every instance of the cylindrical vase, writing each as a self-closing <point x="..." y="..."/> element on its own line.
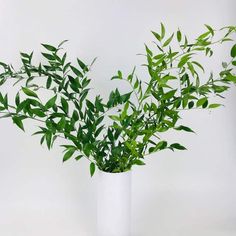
<point x="114" y="204"/>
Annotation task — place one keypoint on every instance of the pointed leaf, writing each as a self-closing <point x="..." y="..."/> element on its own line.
<point x="163" y="31"/>
<point x="18" y="121"/>
<point x="51" y="102"/>
<point x="29" y="92"/>
<point x="68" y="154"/>
<point x="214" y="105"/>
<point x="177" y="146"/>
<point x="167" y="42"/>
<point x="185" y="128"/>
<point x="76" y="71"/>
<point x="49" y="47"/>
<point x="233" y="51"/>
<point x="92" y="169"/>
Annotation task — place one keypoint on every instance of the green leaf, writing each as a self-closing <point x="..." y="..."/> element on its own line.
<point x="124" y="98"/>
<point x="78" y="157"/>
<point x="177" y="146"/>
<point x="17" y="99"/>
<point x="210" y="29"/>
<point x="99" y="130"/>
<point x="161" y="145"/>
<point x="179" y="36"/>
<point x="99" y="106"/>
<point x="48" y="56"/>
<point x="167" y="42"/>
<point x="29" y="92"/>
<point x="75" y="115"/>
<point x="219" y="89"/>
<point x="2" y="81"/>
<point x="92" y="168"/>
<point x="49" y="82"/>
<point x="18" y="121"/>
<point x="61" y="43"/>
<point x="61" y="124"/>
<point x="65" y="105"/>
<point x="42" y="139"/>
<point x="115" y="118"/>
<point x="157" y="36"/>
<point x="82" y="65"/>
<point x="233" y="51"/>
<point x="199" y="65"/>
<point x="90" y="105"/>
<point x="4" y="65"/>
<point x="231" y="77"/>
<point x="51" y="102"/>
<point x="63" y="58"/>
<point x="110" y="135"/>
<point x="48" y="139"/>
<point x="76" y="71"/>
<point x="124" y="112"/>
<point x="138" y="162"/>
<point x="184" y="60"/>
<point x="21" y="106"/>
<point x="68" y="154"/>
<point x="191" y="68"/>
<point x="119" y="74"/>
<point x="38" y="112"/>
<point x="49" y="47"/>
<point x="205" y="104"/>
<point x="87" y="149"/>
<point x="115" y="77"/>
<point x="203" y="36"/>
<point x="148" y="51"/>
<point x="38" y="132"/>
<point x="191" y="104"/>
<point x="163" y="31"/>
<point x="201" y="101"/>
<point x="25" y="55"/>
<point x="214" y="105"/>
<point x="136" y="84"/>
<point x="169" y="95"/>
<point x="1" y="98"/>
<point x="85" y="82"/>
<point x="185" y="128"/>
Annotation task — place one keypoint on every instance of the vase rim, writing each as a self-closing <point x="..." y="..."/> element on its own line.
<point x="114" y="173"/>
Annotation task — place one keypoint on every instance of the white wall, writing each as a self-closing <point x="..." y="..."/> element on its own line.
<point x="175" y="194"/>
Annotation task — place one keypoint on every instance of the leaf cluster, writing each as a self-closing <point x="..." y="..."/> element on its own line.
<point x="137" y="117"/>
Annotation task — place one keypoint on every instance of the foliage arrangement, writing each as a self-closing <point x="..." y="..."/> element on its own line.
<point x="117" y="133"/>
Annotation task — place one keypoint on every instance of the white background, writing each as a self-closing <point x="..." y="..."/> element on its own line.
<point x="175" y="194"/>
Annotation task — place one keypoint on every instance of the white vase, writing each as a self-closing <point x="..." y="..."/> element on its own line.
<point x="113" y="204"/>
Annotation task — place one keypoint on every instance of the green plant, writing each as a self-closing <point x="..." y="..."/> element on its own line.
<point x="135" y="118"/>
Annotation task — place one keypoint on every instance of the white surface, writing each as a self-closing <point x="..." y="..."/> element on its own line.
<point x="175" y="194"/>
<point x="113" y="204"/>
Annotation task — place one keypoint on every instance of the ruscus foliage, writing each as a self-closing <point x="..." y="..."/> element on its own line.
<point x="176" y="83"/>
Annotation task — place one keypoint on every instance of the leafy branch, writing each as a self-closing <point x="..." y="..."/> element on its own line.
<point x="136" y="118"/>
